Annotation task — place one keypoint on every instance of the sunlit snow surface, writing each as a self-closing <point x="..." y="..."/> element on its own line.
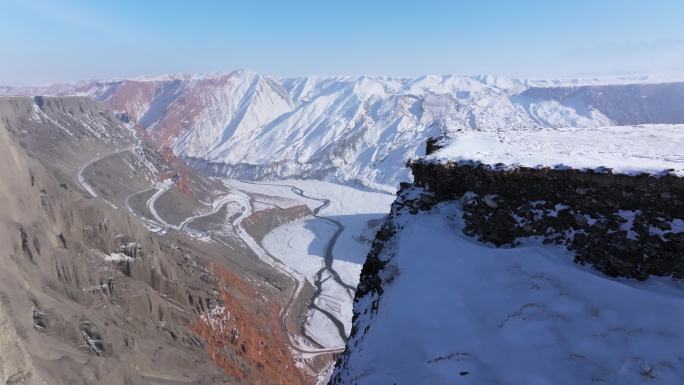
<point x="359" y="129"/>
<point x="624" y="149"/>
<point x="461" y="312"/>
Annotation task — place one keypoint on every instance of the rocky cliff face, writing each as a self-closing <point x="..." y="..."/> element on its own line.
<point x="65" y="129"/>
<point x="467" y="265"/>
<point x="84" y="288"/>
<point x="623" y="225"/>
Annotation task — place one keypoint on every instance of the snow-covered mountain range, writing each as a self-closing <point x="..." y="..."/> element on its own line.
<point x="357" y="130"/>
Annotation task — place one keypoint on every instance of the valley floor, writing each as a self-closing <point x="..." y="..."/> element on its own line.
<point x="322" y="251"/>
<point x="326" y="249"/>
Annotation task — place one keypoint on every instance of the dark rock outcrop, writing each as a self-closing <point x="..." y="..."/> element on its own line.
<point x="621" y="224"/>
<point x="433" y="144"/>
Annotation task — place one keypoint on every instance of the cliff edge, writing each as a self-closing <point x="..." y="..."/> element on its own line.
<point x="502" y="268"/>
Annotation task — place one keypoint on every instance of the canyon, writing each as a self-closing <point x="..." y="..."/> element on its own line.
<point x="245" y="228"/>
<point x="357" y="131"/>
<point x="123" y="265"/>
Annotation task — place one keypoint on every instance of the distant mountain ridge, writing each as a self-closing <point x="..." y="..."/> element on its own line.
<point x="357" y="130"/>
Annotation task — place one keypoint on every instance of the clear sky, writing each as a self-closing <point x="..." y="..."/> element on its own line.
<point x="45" y="41"/>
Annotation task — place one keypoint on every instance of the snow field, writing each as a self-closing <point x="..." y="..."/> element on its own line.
<point x="469" y="313"/>
<point x="651" y="149"/>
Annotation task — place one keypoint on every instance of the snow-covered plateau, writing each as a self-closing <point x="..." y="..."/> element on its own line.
<point x="517" y="258"/>
<point x="651" y="149"/>
<point x="456" y="311"/>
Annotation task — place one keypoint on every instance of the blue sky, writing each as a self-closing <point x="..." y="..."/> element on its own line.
<point x="45" y="41"/>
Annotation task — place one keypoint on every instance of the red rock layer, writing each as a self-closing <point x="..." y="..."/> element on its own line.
<point x="132" y="97"/>
<point x="179" y="171"/>
<point x="248" y="343"/>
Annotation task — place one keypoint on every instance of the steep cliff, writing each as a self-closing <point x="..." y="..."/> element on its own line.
<point x="88" y="294"/>
<point x="512" y="273"/>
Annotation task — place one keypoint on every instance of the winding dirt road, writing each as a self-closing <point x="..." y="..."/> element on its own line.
<point x="158" y="224"/>
<point x="81" y="181"/>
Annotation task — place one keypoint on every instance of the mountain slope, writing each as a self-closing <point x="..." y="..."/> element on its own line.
<point x="78" y="276"/>
<point x="91" y="293"/>
<point x="357" y="130"/>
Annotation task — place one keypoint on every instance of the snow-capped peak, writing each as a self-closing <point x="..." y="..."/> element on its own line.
<point x="360" y="129"/>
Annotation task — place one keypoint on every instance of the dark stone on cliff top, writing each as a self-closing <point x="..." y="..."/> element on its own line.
<point x="581" y="209"/>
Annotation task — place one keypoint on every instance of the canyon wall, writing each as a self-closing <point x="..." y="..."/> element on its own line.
<point x="88" y="294"/>
<point x="474" y="259"/>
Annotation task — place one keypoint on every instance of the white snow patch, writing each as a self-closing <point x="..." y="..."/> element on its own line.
<point x="463" y="312"/>
<point x="659" y="148"/>
<point x="320" y="328"/>
<point x="216" y="318"/>
<point x="628" y="225"/>
<point x="677" y="225"/>
<point x="117" y="257"/>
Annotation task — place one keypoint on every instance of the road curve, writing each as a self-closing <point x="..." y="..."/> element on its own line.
<point x="80" y="180"/>
<point x="246" y="201"/>
<point x="149" y="223"/>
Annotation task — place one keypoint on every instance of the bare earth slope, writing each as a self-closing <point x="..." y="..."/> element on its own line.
<point x="88" y="295"/>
